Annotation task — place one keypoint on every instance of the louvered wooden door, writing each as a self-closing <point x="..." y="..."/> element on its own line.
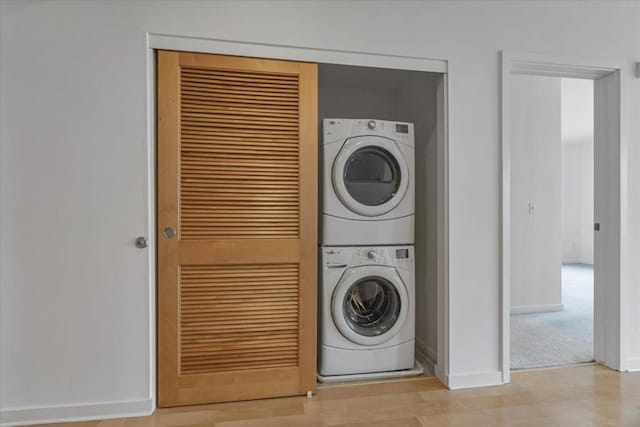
<point x="237" y="185"/>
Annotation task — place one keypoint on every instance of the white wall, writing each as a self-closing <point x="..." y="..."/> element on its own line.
<point x="571" y="238"/>
<point x="586" y="204"/>
<point x="338" y="102"/>
<point x="417" y="104"/>
<point x="577" y="203"/>
<point x="577" y="171"/>
<point x="73" y="185"/>
<point x="536" y="244"/>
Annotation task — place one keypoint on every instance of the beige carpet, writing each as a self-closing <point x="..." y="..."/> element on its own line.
<point x="558" y="338"/>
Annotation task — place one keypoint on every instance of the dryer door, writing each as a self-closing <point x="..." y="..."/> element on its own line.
<point x="370" y="175"/>
<point x="370" y="304"/>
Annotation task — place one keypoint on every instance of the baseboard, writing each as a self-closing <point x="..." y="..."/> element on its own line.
<point x="427" y="363"/>
<point x="428" y="357"/>
<point x="480" y="379"/>
<point x="631" y="365"/>
<point x="541" y="308"/>
<point x="441" y="375"/>
<point x="610" y="365"/>
<point x="81" y="412"/>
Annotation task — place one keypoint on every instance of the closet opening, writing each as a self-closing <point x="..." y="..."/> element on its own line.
<point x="354" y="97"/>
<point x="213" y="115"/>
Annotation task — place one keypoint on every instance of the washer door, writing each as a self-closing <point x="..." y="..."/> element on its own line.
<point x="370" y="304"/>
<point x="370" y="175"/>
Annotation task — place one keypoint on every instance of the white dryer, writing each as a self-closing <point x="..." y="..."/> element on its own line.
<point x="368" y="182"/>
<point x="366" y="310"/>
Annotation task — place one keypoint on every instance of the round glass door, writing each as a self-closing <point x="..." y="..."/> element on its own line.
<point x="371" y="306"/>
<point x="372" y="176"/>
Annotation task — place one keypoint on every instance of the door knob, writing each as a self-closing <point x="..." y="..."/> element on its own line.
<point x="142" y="242"/>
<point x="169" y="232"/>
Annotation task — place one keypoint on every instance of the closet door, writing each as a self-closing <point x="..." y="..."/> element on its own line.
<point x="237" y="238"/>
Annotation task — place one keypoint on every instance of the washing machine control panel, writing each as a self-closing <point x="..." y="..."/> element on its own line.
<point x="343" y="257"/>
<point x="335" y="258"/>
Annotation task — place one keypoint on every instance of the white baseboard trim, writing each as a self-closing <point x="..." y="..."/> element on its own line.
<point x="541" y="308"/>
<point x="609" y="365"/>
<point x="631" y="365"/>
<point x="441" y="375"/>
<point x="80" y="412"/>
<point x="480" y="379"/>
<point x="423" y="358"/>
<point x="428" y="356"/>
<point x="454" y="382"/>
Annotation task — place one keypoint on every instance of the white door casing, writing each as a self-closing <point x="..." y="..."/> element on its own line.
<point x="607" y="213"/>
<point x="609" y="195"/>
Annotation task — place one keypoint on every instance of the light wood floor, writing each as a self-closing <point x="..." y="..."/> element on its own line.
<point x="582" y="396"/>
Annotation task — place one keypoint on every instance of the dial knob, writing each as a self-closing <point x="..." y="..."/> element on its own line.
<point x="371" y="254"/>
<point x="371" y="124"/>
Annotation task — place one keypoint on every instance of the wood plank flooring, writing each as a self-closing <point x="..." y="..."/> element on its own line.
<point x="588" y="395"/>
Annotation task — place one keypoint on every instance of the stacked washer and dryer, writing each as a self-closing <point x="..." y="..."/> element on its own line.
<point x="367" y="284"/>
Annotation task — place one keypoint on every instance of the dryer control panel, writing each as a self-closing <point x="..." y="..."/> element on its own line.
<point x="340" y="129"/>
<point x="345" y="257"/>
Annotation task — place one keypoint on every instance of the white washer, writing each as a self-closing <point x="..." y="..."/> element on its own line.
<point x="368" y="182"/>
<point x="366" y="310"/>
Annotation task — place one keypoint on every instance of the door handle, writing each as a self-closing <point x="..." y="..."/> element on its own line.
<point x="142" y="242"/>
<point x="169" y="232"/>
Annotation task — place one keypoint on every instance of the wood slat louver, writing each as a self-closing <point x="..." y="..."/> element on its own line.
<point x="234" y="186"/>
<point x="226" y="328"/>
<point x="237" y="180"/>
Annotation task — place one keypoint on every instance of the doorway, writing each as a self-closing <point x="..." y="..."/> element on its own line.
<point x="551" y="221"/>
<point x="608" y="196"/>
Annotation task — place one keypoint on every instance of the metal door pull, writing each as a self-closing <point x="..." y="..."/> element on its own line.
<point x="142" y="242"/>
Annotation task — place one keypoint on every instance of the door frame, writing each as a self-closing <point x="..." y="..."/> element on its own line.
<point x="608" y="304"/>
<point x="157" y="41"/>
